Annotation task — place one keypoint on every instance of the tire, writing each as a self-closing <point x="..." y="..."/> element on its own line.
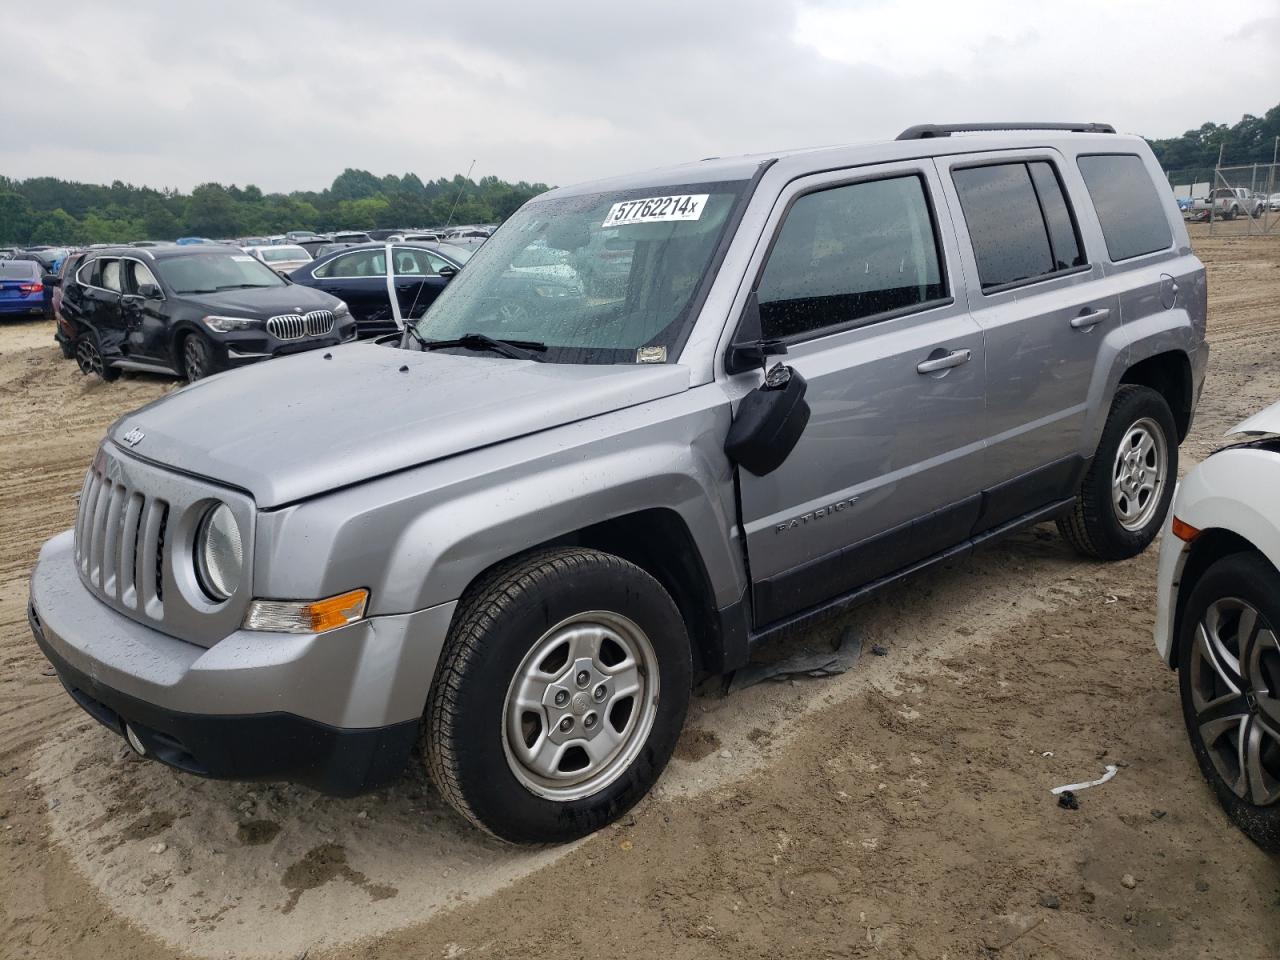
<point x="1098" y="524"/>
<point x="519" y="623"/>
<point x="1234" y="591"/>
<point x="196" y="358"/>
<point x="87" y="351"/>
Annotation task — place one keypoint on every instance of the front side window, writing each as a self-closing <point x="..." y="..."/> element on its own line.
<point x="362" y="263"/>
<point x="212" y="272"/>
<point x="1130" y="211"/>
<point x="851" y="253"/>
<point x="136" y="275"/>
<point x="536" y="278"/>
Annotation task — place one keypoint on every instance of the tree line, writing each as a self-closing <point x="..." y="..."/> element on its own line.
<point x="52" y="211"/>
<point x="1251" y="140"/>
<point x="47" y="210"/>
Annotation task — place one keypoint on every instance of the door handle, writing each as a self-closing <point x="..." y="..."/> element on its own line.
<point x="1090" y="318"/>
<point x="952" y="359"/>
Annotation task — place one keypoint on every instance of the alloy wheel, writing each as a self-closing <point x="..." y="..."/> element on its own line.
<point x="1235" y="695"/>
<point x="193" y="359"/>
<point x="1138" y="474"/>
<point x="580" y="706"/>
<point x="88" y="359"/>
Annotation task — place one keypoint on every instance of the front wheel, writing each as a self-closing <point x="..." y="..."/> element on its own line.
<point x="1229" y="681"/>
<point x="561" y="692"/>
<point x="197" y="358"/>
<point x="1124" y="497"/>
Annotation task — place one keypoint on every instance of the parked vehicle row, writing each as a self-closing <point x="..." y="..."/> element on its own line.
<point x="188" y="311"/>
<point x="1226" y="203"/>
<point x="515" y="534"/>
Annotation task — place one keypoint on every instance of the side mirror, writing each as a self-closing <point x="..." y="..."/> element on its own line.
<point x="149" y="291"/>
<point x="51" y="280"/>
<point x="448" y="272"/>
<point x="769" y="422"/>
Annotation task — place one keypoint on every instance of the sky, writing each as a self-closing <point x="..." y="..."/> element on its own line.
<point x="285" y="94"/>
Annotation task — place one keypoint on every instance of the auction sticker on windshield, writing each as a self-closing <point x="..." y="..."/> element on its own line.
<point x="687" y="206"/>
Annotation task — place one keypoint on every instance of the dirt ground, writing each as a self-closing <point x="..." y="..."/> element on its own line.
<point x="899" y="810"/>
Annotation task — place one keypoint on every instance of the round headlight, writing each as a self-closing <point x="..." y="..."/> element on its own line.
<point x="219" y="553"/>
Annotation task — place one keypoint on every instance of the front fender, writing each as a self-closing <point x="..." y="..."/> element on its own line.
<point x="419" y="537"/>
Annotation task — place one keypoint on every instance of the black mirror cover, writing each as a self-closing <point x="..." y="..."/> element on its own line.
<point x="768" y="425"/>
<point x="149" y="291"/>
<point x="51" y="280"/>
<point x="448" y="272"/>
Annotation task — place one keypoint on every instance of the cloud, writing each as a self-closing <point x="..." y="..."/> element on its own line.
<point x="287" y="94"/>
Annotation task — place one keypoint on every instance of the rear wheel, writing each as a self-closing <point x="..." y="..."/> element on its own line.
<point x="88" y="353"/>
<point x="1124" y="497"/>
<point x="561" y="692"/>
<point x="1229" y="680"/>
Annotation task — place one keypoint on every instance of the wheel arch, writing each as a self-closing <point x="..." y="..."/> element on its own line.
<point x="1203" y="552"/>
<point x="1169" y="374"/>
<point x="658" y="541"/>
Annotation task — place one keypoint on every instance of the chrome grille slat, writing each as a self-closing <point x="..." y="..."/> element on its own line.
<point x="128" y="551"/>
<point x="119" y="542"/>
<point x="295" y="326"/>
<point x="111" y="538"/>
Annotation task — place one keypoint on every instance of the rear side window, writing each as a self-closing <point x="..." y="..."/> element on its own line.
<point x="91" y="274"/>
<point x="1129" y="209"/>
<point x="363" y="263"/>
<point x="850" y="253"/>
<point x="1020" y="224"/>
<point x="111" y="275"/>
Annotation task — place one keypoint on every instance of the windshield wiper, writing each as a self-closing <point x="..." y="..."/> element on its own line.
<point x="241" y="286"/>
<point x="515" y="349"/>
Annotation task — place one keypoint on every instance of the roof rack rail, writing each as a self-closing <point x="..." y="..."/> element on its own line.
<point x="925" y="131"/>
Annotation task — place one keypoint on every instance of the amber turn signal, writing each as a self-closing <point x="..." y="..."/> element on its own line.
<point x="1183" y="530"/>
<point x="314" y="616"/>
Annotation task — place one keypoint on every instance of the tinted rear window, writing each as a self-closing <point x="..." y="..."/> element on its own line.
<point x="1007" y="230"/>
<point x="1129" y="208"/>
<point x="18" y="269"/>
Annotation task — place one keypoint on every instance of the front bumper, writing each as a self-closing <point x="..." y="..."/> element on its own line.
<point x="337" y="711"/>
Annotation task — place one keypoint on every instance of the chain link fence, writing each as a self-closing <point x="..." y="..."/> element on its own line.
<point x="1239" y="200"/>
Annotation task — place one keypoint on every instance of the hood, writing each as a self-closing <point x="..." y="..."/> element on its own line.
<point x="301" y="425"/>
<point x="1266" y="423"/>
<point x="262" y="302"/>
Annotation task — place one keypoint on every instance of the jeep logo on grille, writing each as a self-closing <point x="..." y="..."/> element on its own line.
<point x="133" y="437"/>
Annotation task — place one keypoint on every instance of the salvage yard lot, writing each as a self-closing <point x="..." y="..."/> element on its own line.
<point x="902" y="809"/>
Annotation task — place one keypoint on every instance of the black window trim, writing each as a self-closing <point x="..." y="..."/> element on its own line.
<point x="1173" y="238"/>
<point x="1052" y="275"/>
<point x="884" y="315"/>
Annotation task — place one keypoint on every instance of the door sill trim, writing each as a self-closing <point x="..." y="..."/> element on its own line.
<point x="856" y="597"/>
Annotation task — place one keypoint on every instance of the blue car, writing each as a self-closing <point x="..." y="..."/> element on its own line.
<point x="22" y="289"/>
<point x="187" y="241"/>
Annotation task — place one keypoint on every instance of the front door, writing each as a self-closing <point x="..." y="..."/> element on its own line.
<point x="887" y="472"/>
<point x="146" y="328"/>
<point x="417" y="279"/>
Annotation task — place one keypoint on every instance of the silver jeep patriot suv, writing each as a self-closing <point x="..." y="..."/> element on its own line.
<point x="504" y="544"/>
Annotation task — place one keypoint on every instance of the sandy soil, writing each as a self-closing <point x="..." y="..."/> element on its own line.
<point x="900" y="810"/>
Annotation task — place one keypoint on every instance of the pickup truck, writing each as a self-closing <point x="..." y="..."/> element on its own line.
<point x="1226" y="203"/>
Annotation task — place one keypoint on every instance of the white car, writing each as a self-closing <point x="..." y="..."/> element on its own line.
<point x="282" y="257"/>
<point x="1218" y="620"/>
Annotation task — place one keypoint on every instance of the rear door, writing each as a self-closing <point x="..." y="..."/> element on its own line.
<point x="102" y="303"/>
<point x="359" y="278"/>
<point x="1046" y="319"/>
<point x="856" y="280"/>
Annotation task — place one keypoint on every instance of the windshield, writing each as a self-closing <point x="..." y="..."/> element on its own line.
<point x="211" y="272"/>
<point x="460" y="254"/>
<point x="594" y="277"/>
<point x="276" y="254"/>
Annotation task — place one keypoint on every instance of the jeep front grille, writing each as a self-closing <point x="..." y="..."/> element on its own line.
<point x="119" y="543"/>
<point x="295" y="326"/>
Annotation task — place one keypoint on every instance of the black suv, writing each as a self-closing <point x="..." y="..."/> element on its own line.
<point x="190" y="311"/>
